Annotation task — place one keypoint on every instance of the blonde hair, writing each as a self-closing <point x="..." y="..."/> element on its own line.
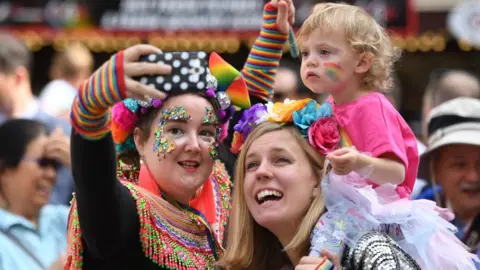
<point x="75" y="60"/>
<point x="363" y="33"/>
<point x="251" y="246"/>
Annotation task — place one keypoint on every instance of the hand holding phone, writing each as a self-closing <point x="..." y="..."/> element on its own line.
<point x="189" y="71"/>
<point x="132" y="68"/>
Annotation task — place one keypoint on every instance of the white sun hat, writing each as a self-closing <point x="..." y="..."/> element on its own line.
<point x="453" y="122"/>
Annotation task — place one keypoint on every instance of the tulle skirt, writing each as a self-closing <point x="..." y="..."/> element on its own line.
<point x="419" y="226"/>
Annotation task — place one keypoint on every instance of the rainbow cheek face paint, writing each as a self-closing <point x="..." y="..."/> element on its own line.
<point x="333" y="71"/>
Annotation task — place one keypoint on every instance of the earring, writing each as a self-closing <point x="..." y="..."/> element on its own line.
<point x="141" y="160"/>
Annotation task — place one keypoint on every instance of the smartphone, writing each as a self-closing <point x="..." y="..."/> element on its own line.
<point x="189" y="71"/>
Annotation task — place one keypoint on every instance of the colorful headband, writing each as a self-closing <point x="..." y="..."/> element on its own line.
<point x="314" y="122"/>
<point x="223" y="83"/>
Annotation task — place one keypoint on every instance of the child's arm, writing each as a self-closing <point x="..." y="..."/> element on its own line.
<point x="261" y="66"/>
<point x="385" y="169"/>
<point x="378" y="130"/>
<point x="382" y="170"/>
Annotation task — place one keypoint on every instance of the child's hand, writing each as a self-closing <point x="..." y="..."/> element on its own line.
<point x="344" y="160"/>
<point x="313" y="263"/>
<point x="133" y="68"/>
<point x="285" y="16"/>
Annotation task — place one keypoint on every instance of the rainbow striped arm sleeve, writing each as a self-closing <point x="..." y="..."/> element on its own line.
<point x="262" y="63"/>
<point x="90" y="115"/>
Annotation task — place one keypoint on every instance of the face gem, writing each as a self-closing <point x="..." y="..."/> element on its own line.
<point x="164" y="145"/>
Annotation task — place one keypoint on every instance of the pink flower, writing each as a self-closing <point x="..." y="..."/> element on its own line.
<point x="123" y="117"/>
<point x="323" y="135"/>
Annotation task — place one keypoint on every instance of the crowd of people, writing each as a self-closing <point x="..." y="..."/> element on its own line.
<point x="162" y="160"/>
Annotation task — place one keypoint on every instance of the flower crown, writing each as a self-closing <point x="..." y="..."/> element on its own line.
<point x="224" y="85"/>
<point x="313" y="120"/>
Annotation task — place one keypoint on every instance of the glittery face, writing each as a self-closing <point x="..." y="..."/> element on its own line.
<point x="211" y="118"/>
<point x="163" y="144"/>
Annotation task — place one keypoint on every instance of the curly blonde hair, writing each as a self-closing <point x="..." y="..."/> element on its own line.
<point x="363" y="33"/>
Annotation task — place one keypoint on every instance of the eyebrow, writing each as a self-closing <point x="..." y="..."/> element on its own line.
<point x="319" y="44"/>
<point x="209" y="124"/>
<point x="176" y="121"/>
<point x="180" y="121"/>
<point x="274" y="149"/>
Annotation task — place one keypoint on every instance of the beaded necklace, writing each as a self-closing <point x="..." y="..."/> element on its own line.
<point x="173" y="235"/>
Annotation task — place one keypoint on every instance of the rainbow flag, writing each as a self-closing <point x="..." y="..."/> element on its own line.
<point x="345" y="140"/>
<point x="325" y="264"/>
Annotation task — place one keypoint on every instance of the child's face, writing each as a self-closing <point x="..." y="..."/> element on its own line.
<point x="328" y="61"/>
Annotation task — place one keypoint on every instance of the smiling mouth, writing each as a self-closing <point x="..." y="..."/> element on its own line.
<point x="190" y="166"/>
<point x="471" y="189"/>
<point x="266" y="196"/>
<point x="44" y="189"/>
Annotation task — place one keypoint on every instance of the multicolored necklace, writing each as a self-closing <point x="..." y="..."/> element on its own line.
<point x="173" y="235"/>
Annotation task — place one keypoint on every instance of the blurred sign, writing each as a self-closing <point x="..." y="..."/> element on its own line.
<point x="55" y="13"/>
<point x="190" y="15"/>
<point x="435" y="5"/>
<point x="396" y="15"/>
<point x="145" y="15"/>
<point x="183" y="15"/>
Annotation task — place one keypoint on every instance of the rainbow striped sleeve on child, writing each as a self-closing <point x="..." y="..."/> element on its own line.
<point x="262" y="62"/>
<point x="90" y="115"/>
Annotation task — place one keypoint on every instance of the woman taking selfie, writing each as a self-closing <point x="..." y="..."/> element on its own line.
<point x="172" y="214"/>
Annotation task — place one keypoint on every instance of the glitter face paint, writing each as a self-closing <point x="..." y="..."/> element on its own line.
<point x="211" y="118"/>
<point x="333" y="71"/>
<point x="164" y="145"/>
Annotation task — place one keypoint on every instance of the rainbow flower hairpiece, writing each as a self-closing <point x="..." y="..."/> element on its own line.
<point x="224" y="84"/>
<point x="313" y="120"/>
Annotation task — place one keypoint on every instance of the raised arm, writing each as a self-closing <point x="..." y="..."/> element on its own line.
<point x="264" y="58"/>
<point x="262" y="63"/>
<point x="106" y="209"/>
<point x="101" y="200"/>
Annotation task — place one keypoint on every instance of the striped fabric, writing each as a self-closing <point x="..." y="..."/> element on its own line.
<point x="89" y="116"/>
<point x="345" y="140"/>
<point x="262" y="62"/>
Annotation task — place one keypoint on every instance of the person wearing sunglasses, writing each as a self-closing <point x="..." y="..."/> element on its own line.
<point x="32" y="232"/>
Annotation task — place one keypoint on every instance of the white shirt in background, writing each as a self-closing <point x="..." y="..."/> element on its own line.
<point x="57" y="97"/>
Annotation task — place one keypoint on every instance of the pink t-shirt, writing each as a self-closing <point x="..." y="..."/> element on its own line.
<point x="374" y="126"/>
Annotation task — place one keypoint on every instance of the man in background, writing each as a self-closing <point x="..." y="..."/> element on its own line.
<point x="445" y="85"/>
<point x="18" y="101"/>
<point x="69" y="69"/>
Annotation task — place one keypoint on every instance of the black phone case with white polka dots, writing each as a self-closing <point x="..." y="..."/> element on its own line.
<point x="189" y="71"/>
